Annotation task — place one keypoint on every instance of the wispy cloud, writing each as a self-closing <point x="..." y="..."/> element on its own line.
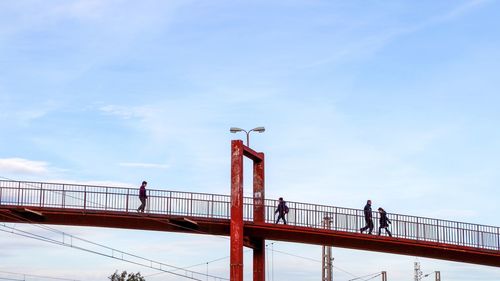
<point x="124" y="112"/>
<point x="144" y="165"/>
<point x="23" y="166"/>
<point x="371" y="44"/>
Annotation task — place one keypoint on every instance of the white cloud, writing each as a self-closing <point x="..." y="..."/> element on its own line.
<point x="124" y="112"/>
<point x="94" y="183"/>
<point x="23" y="166"/>
<point x="371" y="44"/>
<point x="145" y="165"/>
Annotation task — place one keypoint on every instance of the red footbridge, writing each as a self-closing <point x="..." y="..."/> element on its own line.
<point x="249" y="221"/>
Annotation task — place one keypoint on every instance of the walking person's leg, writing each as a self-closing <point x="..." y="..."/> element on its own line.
<point x="143" y="205"/>
<point x="366" y="226"/>
<point x="370" y="227"/>
<point x="140" y="206"/>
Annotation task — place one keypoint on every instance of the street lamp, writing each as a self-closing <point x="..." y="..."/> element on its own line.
<point x="235" y="130"/>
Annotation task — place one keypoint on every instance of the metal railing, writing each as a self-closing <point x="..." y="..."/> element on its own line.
<point x="105" y="198"/>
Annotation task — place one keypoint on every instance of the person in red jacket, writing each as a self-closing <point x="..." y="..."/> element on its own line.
<point x="142" y="196"/>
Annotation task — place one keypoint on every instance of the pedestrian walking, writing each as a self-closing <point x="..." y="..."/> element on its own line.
<point x="384" y="221"/>
<point x="282" y="209"/>
<point x="142" y="196"/>
<point x="368" y="217"/>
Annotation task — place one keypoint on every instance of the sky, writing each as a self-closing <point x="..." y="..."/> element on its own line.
<point x="393" y="101"/>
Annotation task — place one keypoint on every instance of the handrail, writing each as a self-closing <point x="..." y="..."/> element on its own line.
<point x="206" y="205"/>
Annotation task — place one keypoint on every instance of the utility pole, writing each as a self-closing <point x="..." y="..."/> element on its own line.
<point x="384" y="276"/>
<point x="438" y="275"/>
<point x="327" y="260"/>
<point x="418" y="272"/>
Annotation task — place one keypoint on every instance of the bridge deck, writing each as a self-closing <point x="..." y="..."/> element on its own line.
<point x="102" y="206"/>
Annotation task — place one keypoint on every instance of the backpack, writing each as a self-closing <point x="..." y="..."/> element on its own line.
<point x="286" y="209"/>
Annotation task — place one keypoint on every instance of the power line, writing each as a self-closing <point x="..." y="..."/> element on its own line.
<point x="45" y="239"/>
<point x="40" y="276"/>
<point x="108" y="248"/>
<point x="2" y="278"/>
<point x="119" y="251"/>
<point x="373" y="275"/>
<point x="145" y="262"/>
<point x="318" y="261"/>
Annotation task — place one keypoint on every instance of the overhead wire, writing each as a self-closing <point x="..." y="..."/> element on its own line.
<point x="146" y="217"/>
<point x="96" y="244"/>
<point x="37" y="237"/>
<point x="316" y="260"/>
<point x="12" y="279"/>
<point x="113" y="251"/>
<point x="373" y="275"/>
<point x="39" y="276"/>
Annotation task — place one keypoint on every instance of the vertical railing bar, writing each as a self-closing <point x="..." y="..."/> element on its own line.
<point x="85" y="197"/>
<point x="498" y="238"/>
<point x="169" y="203"/>
<point x="63" y="201"/>
<point x="191" y="205"/>
<point x="437" y="231"/>
<point x="126" y="200"/>
<point x="424" y="234"/>
<point x="477" y="227"/>
<point x="19" y="193"/>
<point x="336" y="217"/>
<point x="106" y="199"/>
<point x="41" y="195"/>
<point x="212" y="203"/>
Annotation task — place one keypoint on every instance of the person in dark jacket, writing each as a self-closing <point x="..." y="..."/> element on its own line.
<point x="282" y="209"/>
<point x="384" y="221"/>
<point x="368" y="217"/>
<point x="142" y="196"/>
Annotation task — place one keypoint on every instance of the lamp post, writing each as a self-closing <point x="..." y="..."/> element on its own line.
<point x="235" y="130"/>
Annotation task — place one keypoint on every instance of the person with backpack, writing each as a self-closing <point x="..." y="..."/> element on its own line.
<point x="384" y="221"/>
<point x="142" y="196"/>
<point x="282" y="209"/>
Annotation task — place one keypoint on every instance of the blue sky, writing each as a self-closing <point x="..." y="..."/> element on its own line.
<point x="396" y="101"/>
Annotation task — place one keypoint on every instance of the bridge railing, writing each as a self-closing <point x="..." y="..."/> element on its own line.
<point x="104" y="198"/>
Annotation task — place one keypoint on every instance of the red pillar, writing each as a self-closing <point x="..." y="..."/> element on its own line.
<point x="236" y="228"/>
<point x="259" y="253"/>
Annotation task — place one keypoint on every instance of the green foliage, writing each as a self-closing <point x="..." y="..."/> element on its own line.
<point x="126" y="277"/>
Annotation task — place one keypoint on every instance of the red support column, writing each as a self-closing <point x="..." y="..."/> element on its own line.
<point x="259" y="251"/>
<point x="236" y="228"/>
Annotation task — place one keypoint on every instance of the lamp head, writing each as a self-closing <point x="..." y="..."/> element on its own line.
<point x="235" y="130"/>
<point x="259" y="129"/>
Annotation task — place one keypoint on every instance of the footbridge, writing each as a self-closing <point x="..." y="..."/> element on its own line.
<point x="249" y="221"/>
<point x="203" y="213"/>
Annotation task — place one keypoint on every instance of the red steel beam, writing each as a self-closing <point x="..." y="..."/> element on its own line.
<point x="259" y="253"/>
<point x="236" y="254"/>
<point x="252" y="154"/>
